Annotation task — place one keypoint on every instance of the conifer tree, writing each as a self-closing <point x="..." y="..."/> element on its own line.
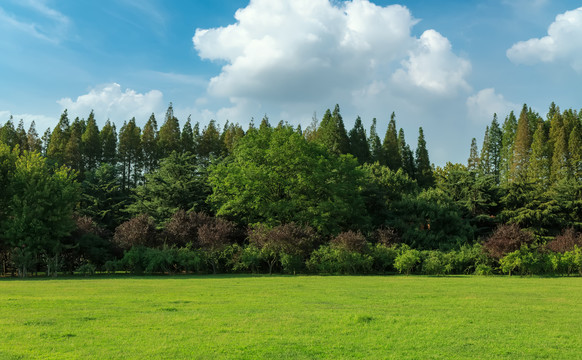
<point x="507" y="142"/>
<point x="149" y="143"/>
<point x="522" y="147"/>
<point x="129" y="152"/>
<point x="559" y="143"/>
<point x="391" y="150"/>
<point x="34" y="143"/>
<point x="196" y="137"/>
<point x="575" y="147"/>
<point x="210" y="144"/>
<point x="21" y="139"/>
<point x="56" y="148"/>
<point x="376" y="151"/>
<point x="187" y="137"/>
<point x="265" y="124"/>
<point x="332" y="132"/>
<point x="108" y="137"/>
<point x="406" y="155"/>
<point x="169" y="135"/>
<point x="473" y="160"/>
<point x="8" y="133"/>
<point x="359" y="142"/>
<point x="424" y="173"/>
<point x="231" y="135"/>
<point x="91" y="144"/>
<point x="494" y="146"/>
<point x="74" y="147"/>
<point x="485" y="158"/>
<point x="539" y="168"/>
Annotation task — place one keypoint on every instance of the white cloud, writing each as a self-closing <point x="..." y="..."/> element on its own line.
<point x="433" y="67"/>
<point x="313" y="52"/>
<point x="563" y="43"/>
<point x="482" y="106"/>
<point x="51" y="27"/>
<point x="110" y="102"/>
<point x="42" y="122"/>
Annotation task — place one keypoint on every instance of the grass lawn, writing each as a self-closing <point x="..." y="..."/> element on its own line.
<point x="303" y="317"/>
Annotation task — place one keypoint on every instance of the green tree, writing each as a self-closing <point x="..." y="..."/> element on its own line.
<point x="393" y="158"/>
<point x="178" y="184"/>
<point x="149" y="143"/>
<point x="56" y="149"/>
<point x="40" y="211"/>
<point x="521" y="148"/>
<point x="74" y="146"/>
<point x="91" y="144"/>
<point x="376" y="150"/>
<point x="424" y="175"/>
<point x="8" y="134"/>
<point x="332" y="132"/>
<point x="187" y="137"/>
<point x="494" y="147"/>
<point x="506" y="152"/>
<point x="33" y="142"/>
<point x="359" y="142"/>
<point x="169" y="135"/>
<point x="575" y="147"/>
<point x="21" y="136"/>
<point x="210" y="144"/>
<point x="275" y="176"/>
<point x="539" y="167"/>
<point x="559" y="143"/>
<point x="407" y="156"/>
<point x="484" y="163"/>
<point x="108" y="137"/>
<point x="473" y="161"/>
<point x="231" y="135"/>
<point x="129" y="152"/>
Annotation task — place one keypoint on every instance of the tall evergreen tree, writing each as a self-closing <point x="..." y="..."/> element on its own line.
<point x="559" y="143"/>
<point x="108" y="137"/>
<point x="8" y="133"/>
<point x="187" y="137"/>
<point x="231" y="135"/>
<point x="129" y="152"/>
<point x="34" y="143"/>
<point x="424" y="173"/>
<point x="507" y="142"/>
<point x="393" y="158"/>
<point x="522" y="147"/>
<point x="91" y="144"/>
<point x="169" y="135"/>
<point x="539" y="167"/>
<point x="21" y="136"/>
<point x="332" y="132"/>
<point x="74" y="147"/>
<point x="494" y="147"/>
<point x="575" y="148"/>
<point x="56" y="148"/>
<point x="210" y="144"/>
<point x="376" y="150"/>
<point x="485" y="158"/>
<point x="473" y="161"/>
<point x="359" y="142"/>
<point x="406" y="154"/>
<point x="149" y="144"/>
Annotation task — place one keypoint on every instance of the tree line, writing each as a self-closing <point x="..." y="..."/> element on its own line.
<point x="281" y="198"/>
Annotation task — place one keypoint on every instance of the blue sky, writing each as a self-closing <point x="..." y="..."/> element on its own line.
<point x="443" y="65"/>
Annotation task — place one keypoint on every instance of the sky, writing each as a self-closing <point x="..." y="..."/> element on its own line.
<point x="447" y="66"/>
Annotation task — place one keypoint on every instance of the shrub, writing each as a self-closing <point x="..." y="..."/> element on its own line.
<point x="111" y="266"/>
<point x="249" y="259"/>
<point x="350" y="241"/>
<point x="214" y="236"/>
<point x="138" y="231"/>
<point x="483" y="269"/>
<point x="566" y="241"/>
<point x="383" y="257"/>
<point x="506" y="239"/>
<point x="407" y="260"/>
<point x="87" y="269"/>
<point x="331" y="260"/>
<point x="434" y="263"/>
<point x="387" y="236"/>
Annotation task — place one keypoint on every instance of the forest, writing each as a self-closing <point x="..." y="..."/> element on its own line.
<point x="275" y="198"/>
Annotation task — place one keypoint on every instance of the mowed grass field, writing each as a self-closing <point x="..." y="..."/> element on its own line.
<point x="302" y="317"/>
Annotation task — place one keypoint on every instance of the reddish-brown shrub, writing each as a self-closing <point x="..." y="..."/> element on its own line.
<point x="566" y="241"/>
<point x="216" y="233"/>
<point x="288" y="238"/>
<point x="506" y="239"/>
<point x="140" y="230"/>
<point x="387" y="236"/>
<point x="350" y="241"/>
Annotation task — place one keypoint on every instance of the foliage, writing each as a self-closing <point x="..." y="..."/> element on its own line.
<point x="137" y="231"/>
<point x="407" y="260"/>
<point x="506" y="239"/>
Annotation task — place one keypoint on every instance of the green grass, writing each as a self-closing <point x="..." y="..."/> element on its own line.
<point x="303" y="317"/>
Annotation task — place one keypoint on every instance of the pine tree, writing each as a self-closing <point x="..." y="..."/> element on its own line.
<point x="34" y="143"/>
<point x="56" y="148"/>
<point x="376" y="151"/>
<point x="406" y="155"/>
<point x="187" y="137"/>
<point x="575" y="147"/>
<point x="424" y="173"/>
<point x="332" y="132"/>
<point x="559" y="143"/>
<point x="21" y="139"/>
<point x="169" y="135"/>
<point x="231" y="135"/>
<point x="108" y="137"/>
<point x="210" y="144"/>
<point x="149" y="143"/>
<point x="129" y="152"/>
<point x="393" y="158"/>
<point x="8" y="133"/>
<point x="485" y="158"/>
<point x="91" y="144"/>
<point x="495" y="144"/>
<point x="507" y="143"/>
<point x="74" y="147"/>
<point x="473" y="161"/>
<point x="539" y="168"/>
<point x="521" y="148"/>
<point x="359" y="142"/>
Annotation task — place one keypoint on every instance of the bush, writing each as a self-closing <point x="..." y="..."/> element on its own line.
<point x="483" y="269"/>
<point x="434" y="263"/>
<point x="407" y="260"/>
<point x="383" y="257"/>
<point x="87" y="269"/>
<point x="248" y="259"/>
<point x="331" y="260"/>
<point x="387" y="236"/>
<point x="111" y="266"/>
<point x="506" y="239"/>
<point x="565" y="241"/>
<point x="139" y="231"/>
<point x="350" y="241"/>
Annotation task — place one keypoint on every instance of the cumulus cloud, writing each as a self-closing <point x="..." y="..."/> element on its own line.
<point x="563" y="43"/>
<point x="431" y="65"/>
<point x="308" y="51"/>
<point x="110" y="102"/>
<point x="482" y="106"/>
